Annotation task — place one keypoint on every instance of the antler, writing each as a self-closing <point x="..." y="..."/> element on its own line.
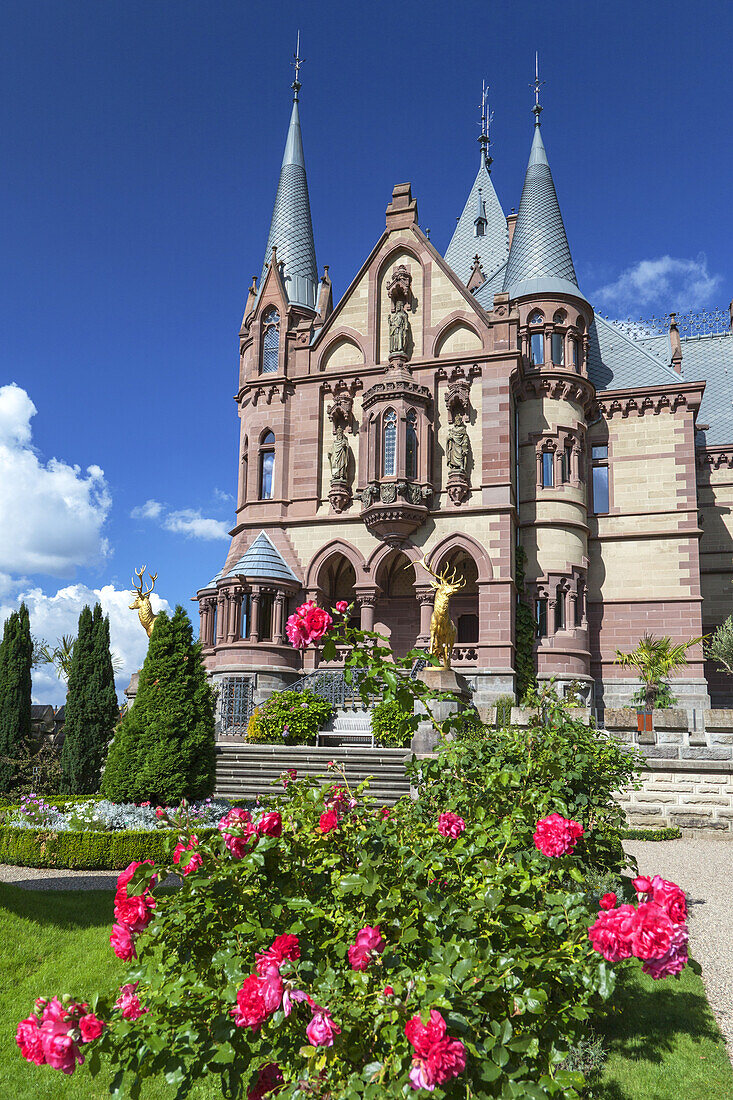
<point x="139" y="588"/>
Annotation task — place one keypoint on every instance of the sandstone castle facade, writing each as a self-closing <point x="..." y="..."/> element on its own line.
<point x="461" y="407"/>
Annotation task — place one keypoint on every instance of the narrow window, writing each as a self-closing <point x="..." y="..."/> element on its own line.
<point x="270" y="341"/>
<point x="576" y="603"/>
<point x="267" y="465"/>
<point x="265" y="631"/>
<point x="575" y="354"/>
<point x="537" y="349"/>
<point x="389" y="448"/>
<point x="244" y="617"/>
<point x="411" y="445"/>
<point x="245" y="472"/>
<point x="540" y="618"/>
<point x="558" y="349"/>
<point x="560" y="610"/>
<point x="548" y="479"/>
<point x="601" y="496"/>
<point x="565" y="463"/>
<point x="467" y="628"/>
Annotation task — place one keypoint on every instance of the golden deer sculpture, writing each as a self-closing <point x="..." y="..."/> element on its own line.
<point x="141" y="603"/>
<point x="442" y="630"/>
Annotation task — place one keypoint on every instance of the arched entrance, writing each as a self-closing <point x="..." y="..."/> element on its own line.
<point x="464" y="606"/>
<point x="336" y="580"/>
<point x="397" y="614"/>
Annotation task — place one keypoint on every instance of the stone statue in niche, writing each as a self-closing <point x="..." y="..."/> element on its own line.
<point x="399" y="330"/>
<point x="339" y="455"/>
<point x="458" y="446"/>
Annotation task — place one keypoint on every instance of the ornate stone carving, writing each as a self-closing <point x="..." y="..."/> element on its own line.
<point x="340" y="495"/>
<point x="458" y="486"/>
<point x="399" y="332"/>
<point x="339" y="413"/>
<point x="399" y="292"/>
<point x="340" y="455"/>
<point x="388" y="492"/>
<point x="458" y="446"/>
<point x="399" y="287"/>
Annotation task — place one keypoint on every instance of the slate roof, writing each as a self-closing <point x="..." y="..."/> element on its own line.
<point x="212" y="582"/>
<point x="493" y="247"/>
<point x="291" y="229"/>
<point x="264" y="560"/>
<point x="539" y="259"/>
<point x="616" y="362"/>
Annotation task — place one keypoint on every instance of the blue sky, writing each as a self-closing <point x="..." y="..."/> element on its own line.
<point x="141" y="147"/>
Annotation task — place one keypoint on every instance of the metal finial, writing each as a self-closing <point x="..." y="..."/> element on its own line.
<point x="537" y="109"/>
<point x="296" y="63"/>
<point x="487" y="117"/>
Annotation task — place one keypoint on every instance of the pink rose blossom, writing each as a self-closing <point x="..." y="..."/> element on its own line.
<point x="321" y="1030"/>
<point x="451" y="825"/>
<point x="388" y="991"/>
<point x="675" y="959"/>
<point x="308" y="624"/>
<point x="289" y="776"/>
<point x="28" y="1038"/>
<point x="129" y="1002"/>
<point x="642" y="885"/>
<point x="342" y="606"/>
<point x="438" y="1058"/>
<point x="283" y="947"/>
<point x="269" y="1079"/>
<point x="369" y="943"/>
<point x="670" y="897"/>
<point x="123" y="942"/>
<point x="91" y="1027"/>
<point x="136" y="912"/>
<point x="124" y="877"/>
<point x="270" y="824"/>
<point x="258" y="998"/>
<point x="608" y="901"/>
<point x="238" y="843"/>
<point x="327" y="822"/>
<point x="423" y="1036"/>
<point x="196" y="859"/>
<point x="60" y="1050"/>
<point x="556" y="835"/>
<point x="653" y="931"/>
<point x="612" y="931"/>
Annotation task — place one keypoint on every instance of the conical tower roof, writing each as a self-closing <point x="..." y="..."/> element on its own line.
<point x="539" y="258"/>
<point x="493" y="246"/>
<point x="291" y="229"/>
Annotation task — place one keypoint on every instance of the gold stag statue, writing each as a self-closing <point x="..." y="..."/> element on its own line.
<point x="141" y="603"/>
<point x="442" y="630"/>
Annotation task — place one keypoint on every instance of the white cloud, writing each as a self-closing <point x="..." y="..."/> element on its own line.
<point x="222" y="496"/>
<point x="666" y="283"/>
<point x="54" y="615"/>
<point x="186" y="521"/>
<point x="51" y="514"/>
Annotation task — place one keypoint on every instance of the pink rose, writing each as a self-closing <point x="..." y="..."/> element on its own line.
<point x="652" y="934"/>
<point x="238" y="842"/>
<point x="670" y="897"/>
<point x="91" y="1027"/>
<point x="608" y="901"/>
<point x="258" y="998"/>
<point x="289" y="776"/>
<point x="123" y="943"/>
<point x="297" y="631"/>
<point x="283" y="947"/>
<point x="136" y="912"/>
<point x="556" y="835"/>
<point x="673" y="961"/>
<point x="642" y="885"/>
<point x="28" y="1038"/>
<point x="451" y="825"/>
<point x="342" y="607"/>
<point x="129" y="1002"/>
<point x="423" y="1036"/>
<point x="327" y="822"/>
<point x="125" y="876"/>
<point x="369" y="943"/>
<point x="270" y="824"/>
<point x="388" y="991"/>
<point x="307" y="624"/>
<point x="60" y="1050"/>
<point x="159" y="811"/>
<point x="611" y="934"/>
<point x="437" y="1056"/>
<point x="269" y="1079"/>
<point x="321" y="1030"/>
<point x="196" y="859"/>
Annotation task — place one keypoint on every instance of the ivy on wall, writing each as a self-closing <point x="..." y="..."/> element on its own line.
<point x="524" y="632"/>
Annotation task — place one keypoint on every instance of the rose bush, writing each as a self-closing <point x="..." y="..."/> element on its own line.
<point x="331" y="950"/>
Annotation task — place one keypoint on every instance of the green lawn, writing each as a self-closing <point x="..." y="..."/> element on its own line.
<point x="663" y="1043"/>
<point x="662" y="1040"/>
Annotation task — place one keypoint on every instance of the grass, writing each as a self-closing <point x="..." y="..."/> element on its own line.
<point x="663" y="1043"/>
<point x="661" y="1038"/>
<point x="57" y="942"/>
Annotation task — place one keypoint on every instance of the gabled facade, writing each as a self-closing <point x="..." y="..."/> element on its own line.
<point x="457" y="408"/>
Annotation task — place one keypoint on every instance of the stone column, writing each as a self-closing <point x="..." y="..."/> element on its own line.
<point x="539" y="469"/>
<point x="425" y="597"/>
<point x="254" y="614"/>
<point x="575" y="465"/>
<point x="204" y="622"/>
<point x="573" y="619"/>
<point x="551" y="607"/>
<point x="278" y="628"/>
<point x="221" y="610"/>
<point x="366" y="605"/>
<point x="234" y="599"/>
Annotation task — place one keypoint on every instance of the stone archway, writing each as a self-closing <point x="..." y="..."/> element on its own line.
<point x="397" y="613"/>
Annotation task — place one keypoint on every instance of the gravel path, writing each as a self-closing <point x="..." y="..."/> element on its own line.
<point x="49" y="878"/>
<point x="704" y="870"/>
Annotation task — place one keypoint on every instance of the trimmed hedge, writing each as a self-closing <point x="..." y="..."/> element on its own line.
<point x="669" y="832"/>
<point x="86" y="850"/>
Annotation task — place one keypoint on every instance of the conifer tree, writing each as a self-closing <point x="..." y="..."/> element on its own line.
<point x="91" y="705"/>
<point x="16" y="656"/>
<point x="164" y="747"/>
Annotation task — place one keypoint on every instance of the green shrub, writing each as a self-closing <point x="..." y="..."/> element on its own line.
<point x="16" y="655"/>
<point x="669" y="832"/>
<point x="164" y="747"/>
<point x="289" y="718"/>
<point x="92" y="710"/>
<point x="391" y="725"/>
<point x="524" y="631"/>
<point x="504" y="706"/>
<point x="85" y="851"/>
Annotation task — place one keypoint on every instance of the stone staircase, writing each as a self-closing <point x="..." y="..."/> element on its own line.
<point x="349" y="727"/>
<point x="246" y="771"/>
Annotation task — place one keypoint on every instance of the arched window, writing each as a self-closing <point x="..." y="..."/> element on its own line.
<point x="537" y="349"/>
<point x="558" y="349"/>
<point x="245" y="469"/>
<point x="536" y="318"/>
<point x="560" y="317"/>
<point x="389" y="443"/>
<point x="267" y="465"/>
<point x="411" y="445"/>
<point x="270" y="341"/>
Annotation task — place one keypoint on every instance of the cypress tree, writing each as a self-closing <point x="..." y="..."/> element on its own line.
<point x="164" y="747"/>
<point x="91" y="705"/>
<point x="16" y="656"/>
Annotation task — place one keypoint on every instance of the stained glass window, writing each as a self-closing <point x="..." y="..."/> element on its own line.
<point x="270" y="341"/>
<point x="390" y="443"/>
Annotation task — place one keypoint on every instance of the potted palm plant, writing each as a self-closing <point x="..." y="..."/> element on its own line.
<point x="653" y="660"/>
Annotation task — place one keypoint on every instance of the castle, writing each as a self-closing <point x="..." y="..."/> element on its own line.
<point x="460" y="407"/>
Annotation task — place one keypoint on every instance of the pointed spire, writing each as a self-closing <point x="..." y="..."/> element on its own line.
<point x="539" y="258"/>
<point x="291" y="229"/>
<point x="487" y="117"/>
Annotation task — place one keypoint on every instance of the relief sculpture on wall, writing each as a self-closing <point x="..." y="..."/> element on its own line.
<point x="340" y="456"/>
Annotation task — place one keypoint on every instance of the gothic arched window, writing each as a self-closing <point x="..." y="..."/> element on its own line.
<point x="389" y="443"/>
<point x="267" y="465"/>
<point x="270" y="341"/>
<point x="245" y="469"/>
<point x="411" y="445"/>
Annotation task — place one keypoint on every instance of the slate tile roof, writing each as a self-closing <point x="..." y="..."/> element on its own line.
<point x="264" y="560"/>
<point x="493" y="247"/>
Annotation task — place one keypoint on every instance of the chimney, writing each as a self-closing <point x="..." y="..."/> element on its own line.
<point x="511" y="221"/>
<point x="674" y="339"/>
